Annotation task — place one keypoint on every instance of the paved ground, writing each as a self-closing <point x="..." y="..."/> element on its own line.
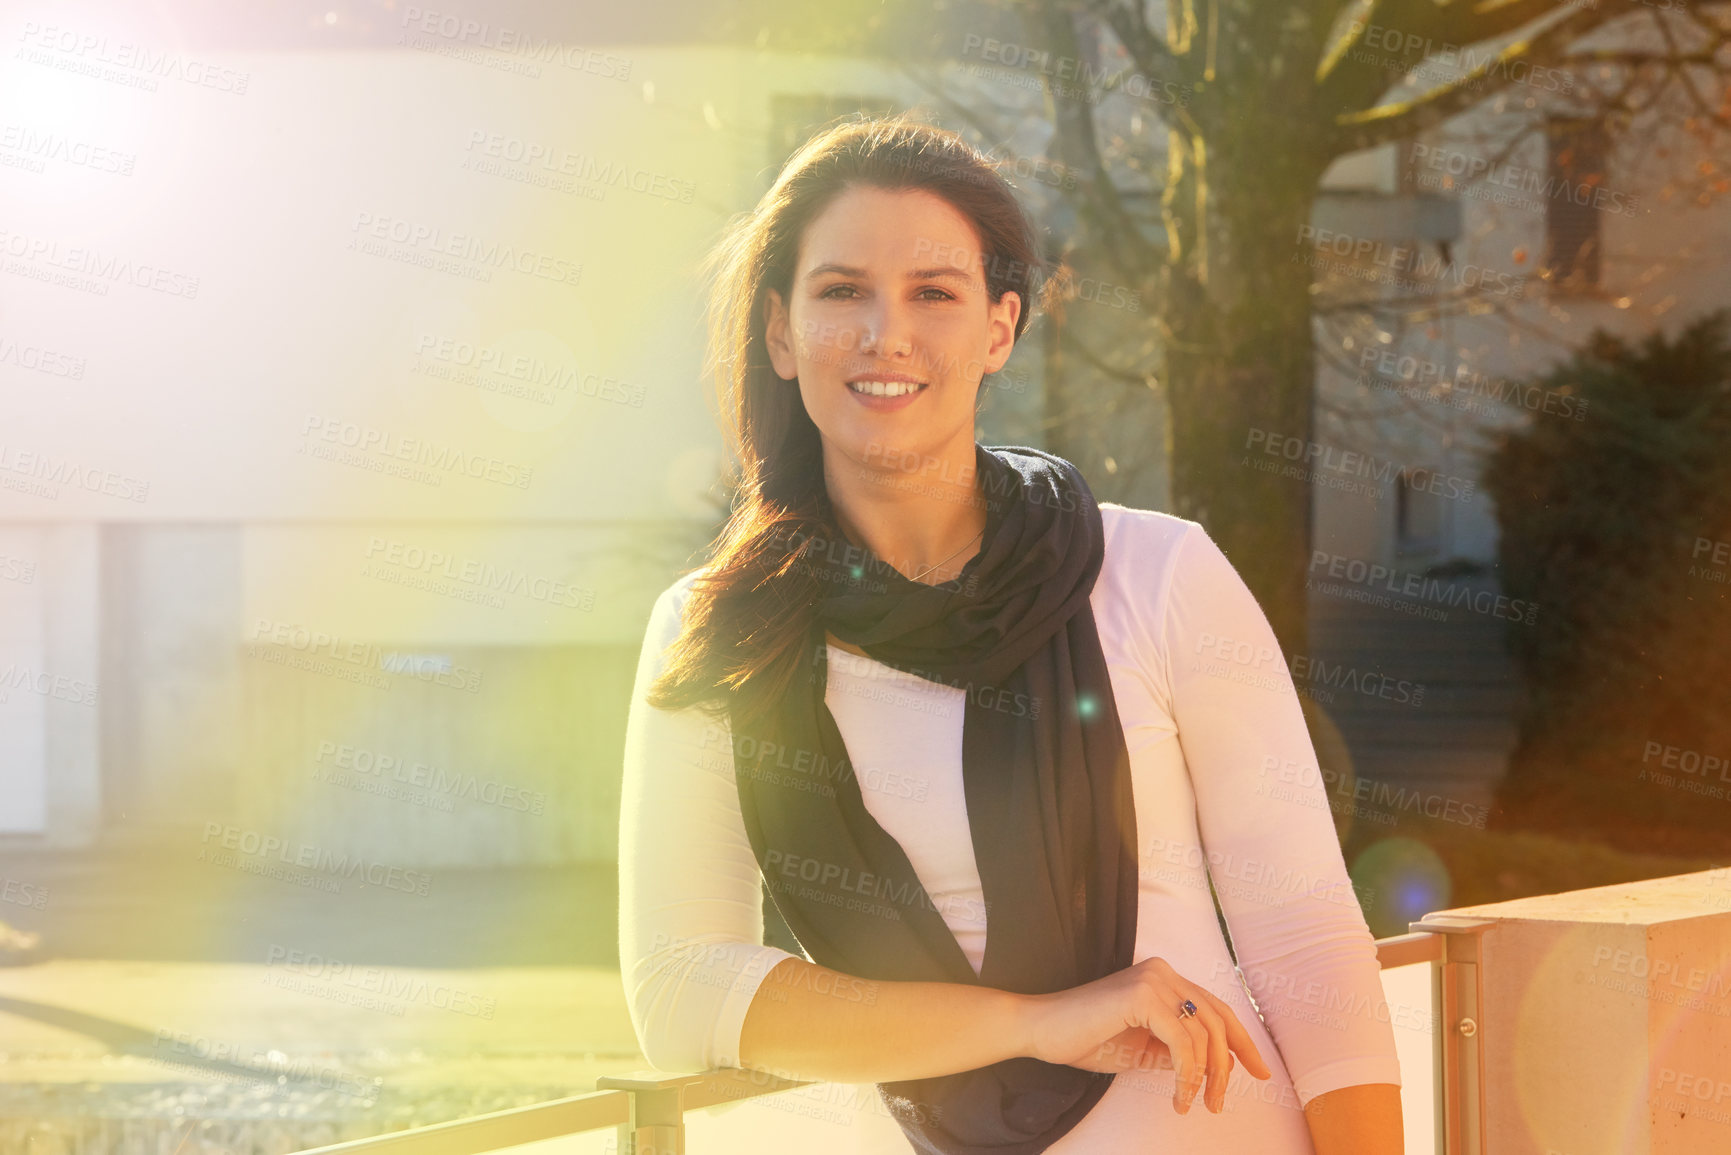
<point x="1456" y="740"/>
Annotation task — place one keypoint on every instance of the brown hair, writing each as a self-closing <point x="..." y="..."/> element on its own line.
<point x="750" y="608"/>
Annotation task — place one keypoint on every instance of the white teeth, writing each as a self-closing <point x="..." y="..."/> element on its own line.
<point x="884" y="388"/>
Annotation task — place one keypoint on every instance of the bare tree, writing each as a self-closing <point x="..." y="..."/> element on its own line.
<point x="1197" y="134"/>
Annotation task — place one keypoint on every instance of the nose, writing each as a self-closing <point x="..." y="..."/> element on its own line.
<point x="887" y="329"/>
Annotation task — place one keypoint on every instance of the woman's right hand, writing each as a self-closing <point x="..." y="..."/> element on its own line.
<point x="1126" y="1020"/>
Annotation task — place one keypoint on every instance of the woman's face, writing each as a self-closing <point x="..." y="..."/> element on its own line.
<point x="888" y="327"/>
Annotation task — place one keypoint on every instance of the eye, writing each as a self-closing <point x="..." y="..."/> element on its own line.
<point x="942" y="295"/>
<point x="829" y="294"/>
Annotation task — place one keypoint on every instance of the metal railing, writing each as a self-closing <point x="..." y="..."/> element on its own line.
<point x="648" y="1107"/>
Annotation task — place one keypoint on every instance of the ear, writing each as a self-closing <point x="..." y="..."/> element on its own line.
<point x="1001" y="317"/>
<point x="775" y="336"/>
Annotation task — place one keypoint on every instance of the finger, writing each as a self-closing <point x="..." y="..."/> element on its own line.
<point x="1181" y="1046"/>
<point x="1188" y="1088"/>
<point x="1238" y="1038"/>
<point x="1219" y="1056"/>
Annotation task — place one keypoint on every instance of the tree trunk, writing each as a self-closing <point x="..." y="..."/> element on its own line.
<point x="1240" y="372"/>
<point x="1232" y="307"/>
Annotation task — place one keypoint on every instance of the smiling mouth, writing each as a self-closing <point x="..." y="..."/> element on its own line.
<point x="885" y="388"/>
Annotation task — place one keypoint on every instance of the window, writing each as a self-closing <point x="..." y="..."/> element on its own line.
<point x="1418" y="512"/>
<point x="1575" y="170"/>
<point x="1407" y="177"/>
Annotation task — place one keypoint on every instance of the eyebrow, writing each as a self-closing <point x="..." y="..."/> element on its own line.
<point x="938" y="272"/>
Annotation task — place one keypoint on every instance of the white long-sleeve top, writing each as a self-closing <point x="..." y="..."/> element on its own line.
<point x="1226" y="787"/>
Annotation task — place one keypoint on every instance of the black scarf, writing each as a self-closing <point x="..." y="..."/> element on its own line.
<point x="1046" y="778"/>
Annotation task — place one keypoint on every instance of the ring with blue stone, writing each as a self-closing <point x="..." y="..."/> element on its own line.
<point x="1187" y="1009"/>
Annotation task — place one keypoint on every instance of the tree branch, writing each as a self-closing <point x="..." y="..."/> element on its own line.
<point x="1463" y="22"/>
<point x="1351" y="77"/>
<point x="1144" y="380"/>
<point x="1074" y="120"/>
<point x="1397" y="121"/>
<point x="995" y="133"/>
<point x="1681" y="71"/>
<point x="1129" y="22"/>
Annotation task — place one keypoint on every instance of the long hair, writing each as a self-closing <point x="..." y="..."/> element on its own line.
<point x="751" y="606"/>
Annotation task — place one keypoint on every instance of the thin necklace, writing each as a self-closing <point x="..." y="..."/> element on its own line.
<point x="959" y="549"/>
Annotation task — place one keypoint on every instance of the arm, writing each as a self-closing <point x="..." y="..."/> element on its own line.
<point x="703" y="989"/>
<point x="815" y="1023"/>
<point x="1300" y="937"/>
<point x="810" y="1022"/>
<point x="1364" y="1117"/>
<point x="691" y="950"/>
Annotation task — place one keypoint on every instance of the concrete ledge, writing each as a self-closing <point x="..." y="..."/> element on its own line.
<point x="1604" y="1020"/>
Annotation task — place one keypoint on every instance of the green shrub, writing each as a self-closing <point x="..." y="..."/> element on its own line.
<point x="1619" y="527"/>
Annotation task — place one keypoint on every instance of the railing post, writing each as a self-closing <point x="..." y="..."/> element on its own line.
<point x="1457" y="1009"/>
<point x="657" y="1122"/>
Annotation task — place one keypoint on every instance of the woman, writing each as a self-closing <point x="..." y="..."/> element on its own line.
<point x="924" y="688"/>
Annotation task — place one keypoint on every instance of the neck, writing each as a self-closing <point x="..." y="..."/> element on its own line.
<point x="913" y="517"/>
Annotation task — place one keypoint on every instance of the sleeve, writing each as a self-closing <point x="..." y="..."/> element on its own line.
<point x="691" y="950"/>
<point x="1300" y="937"/>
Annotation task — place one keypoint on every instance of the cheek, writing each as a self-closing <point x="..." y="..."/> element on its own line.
<point x="957" y="350"/>
<point x="826" y="403"/>
<point x="811" y="395"/>
<point x="824" y="343"/>
<point x="821" y="348"/>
